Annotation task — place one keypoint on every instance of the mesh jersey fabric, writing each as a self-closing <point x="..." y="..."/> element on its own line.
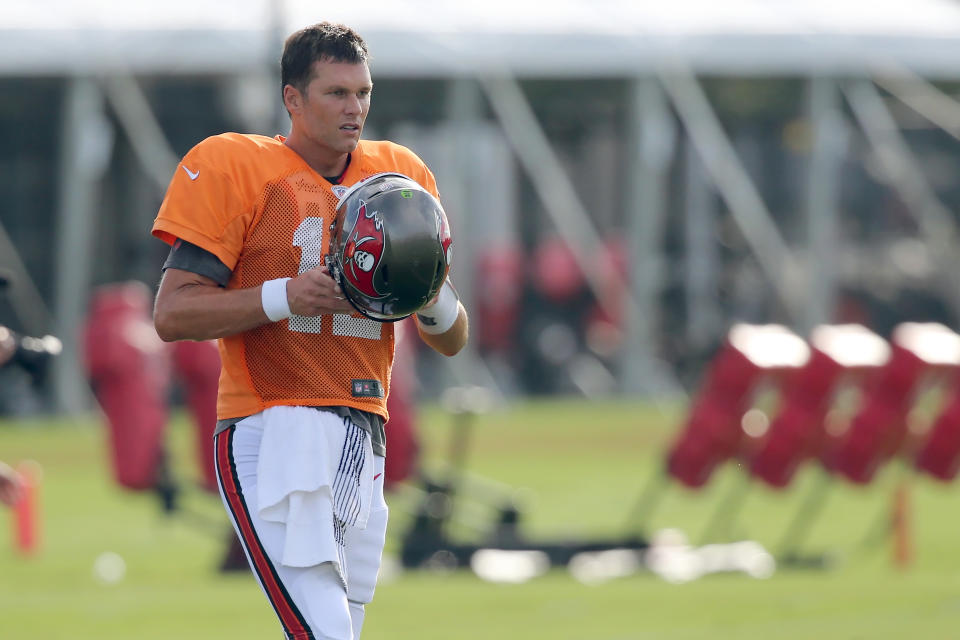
<point x="255" y="204"/>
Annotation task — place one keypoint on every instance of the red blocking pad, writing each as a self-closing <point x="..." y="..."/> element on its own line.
<point x="920" y="352"/>
<point x="939" y="455"/>
<point x="713" y="432"/>
<point x="842" y="356"/>
<point x="129" y="370"/>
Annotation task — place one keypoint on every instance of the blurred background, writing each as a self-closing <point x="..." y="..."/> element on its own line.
<point x="627" y="183"/>
<point x="625" y="179"/>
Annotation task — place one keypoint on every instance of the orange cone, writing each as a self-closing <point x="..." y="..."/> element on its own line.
<point x="26" y="510"/>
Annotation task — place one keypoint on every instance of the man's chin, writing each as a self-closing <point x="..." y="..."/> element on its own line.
<point x="348" y="144"/>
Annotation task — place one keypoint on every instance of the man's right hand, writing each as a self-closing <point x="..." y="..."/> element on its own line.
<point x="315" y="292"/>
<point x="193" y="307"/>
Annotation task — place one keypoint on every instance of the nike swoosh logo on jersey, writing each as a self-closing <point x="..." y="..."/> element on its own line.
<point x="377" y="476"/>
<point x="193" y="174"/>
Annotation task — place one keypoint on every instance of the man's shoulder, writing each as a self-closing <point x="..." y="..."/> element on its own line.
<point x="237" y="146"/>
<point x="386" y="155"/>
<point x="240" y="161"/>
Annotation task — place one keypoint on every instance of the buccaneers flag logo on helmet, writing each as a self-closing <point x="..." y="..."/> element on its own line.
<point x="364" y="251"/>
<point x="389" y="246"/>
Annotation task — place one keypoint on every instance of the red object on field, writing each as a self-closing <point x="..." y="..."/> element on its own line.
<point x="939" y="455"/>
<point x="498" y="299"/>
<point x="557" y="275"/>
<point x="197" y="369"/>
<point x="27" y="521"/>
<point x="129" y="369"/>
<point x="839" y="354"/>
<point x="605" y="322"/>
<point x="879" y="429"/>
<point x="713" y="432"/>
<point x="403" y="447"/>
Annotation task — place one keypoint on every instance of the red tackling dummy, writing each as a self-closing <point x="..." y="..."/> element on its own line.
<point x="131" y="371"/>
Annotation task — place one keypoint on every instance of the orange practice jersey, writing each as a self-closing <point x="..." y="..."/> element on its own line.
<point x="256" y="205"/>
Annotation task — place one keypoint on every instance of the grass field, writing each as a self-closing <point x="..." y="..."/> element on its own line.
<point x="579" y="467"/>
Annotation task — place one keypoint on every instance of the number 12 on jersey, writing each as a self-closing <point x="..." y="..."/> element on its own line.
<point x="309" y="237"/>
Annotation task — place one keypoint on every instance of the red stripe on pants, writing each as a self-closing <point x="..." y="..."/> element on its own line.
<point x="292" y="620"/>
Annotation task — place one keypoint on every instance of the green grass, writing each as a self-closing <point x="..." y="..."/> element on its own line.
<point x="577" y="468"/>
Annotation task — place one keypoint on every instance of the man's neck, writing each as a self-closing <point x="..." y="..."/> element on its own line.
<point x="337" y="179"/>
<point x="324" y="162"/>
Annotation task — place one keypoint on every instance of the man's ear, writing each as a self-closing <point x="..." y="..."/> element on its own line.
<point x="292" y="99"/>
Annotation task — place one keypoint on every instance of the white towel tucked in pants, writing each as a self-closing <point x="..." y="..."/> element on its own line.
<point x="306" y="496"/>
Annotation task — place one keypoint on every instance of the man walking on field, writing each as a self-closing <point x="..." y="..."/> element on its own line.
<point x="300" y="441"/>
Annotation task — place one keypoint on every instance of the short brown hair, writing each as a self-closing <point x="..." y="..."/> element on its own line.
<point x="322" y="41"/>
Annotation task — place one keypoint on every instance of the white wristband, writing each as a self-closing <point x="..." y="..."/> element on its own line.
<point x="440" y="316"/>
<point x="273" y="299"/>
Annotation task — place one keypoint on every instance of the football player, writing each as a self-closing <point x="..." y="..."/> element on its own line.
<point x="300" y="442"/>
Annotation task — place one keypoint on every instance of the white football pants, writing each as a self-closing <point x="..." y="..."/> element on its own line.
<point x="311" y="602"/>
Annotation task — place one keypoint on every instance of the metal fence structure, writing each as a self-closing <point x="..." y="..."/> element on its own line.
<point x="754" y="161"/>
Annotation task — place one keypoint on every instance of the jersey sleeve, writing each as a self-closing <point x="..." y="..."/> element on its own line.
<point x="189" y="257"/>
<point x="390" y="156"/>
<point x="204" y="206"/>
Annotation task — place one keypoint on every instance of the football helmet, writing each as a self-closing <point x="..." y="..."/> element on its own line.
<point x="389" y="246"/>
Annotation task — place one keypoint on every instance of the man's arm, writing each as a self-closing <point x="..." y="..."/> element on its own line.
<point x="451" y="341"/>
<point x="443" y="323"/>
<point x="190" y="306"/>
